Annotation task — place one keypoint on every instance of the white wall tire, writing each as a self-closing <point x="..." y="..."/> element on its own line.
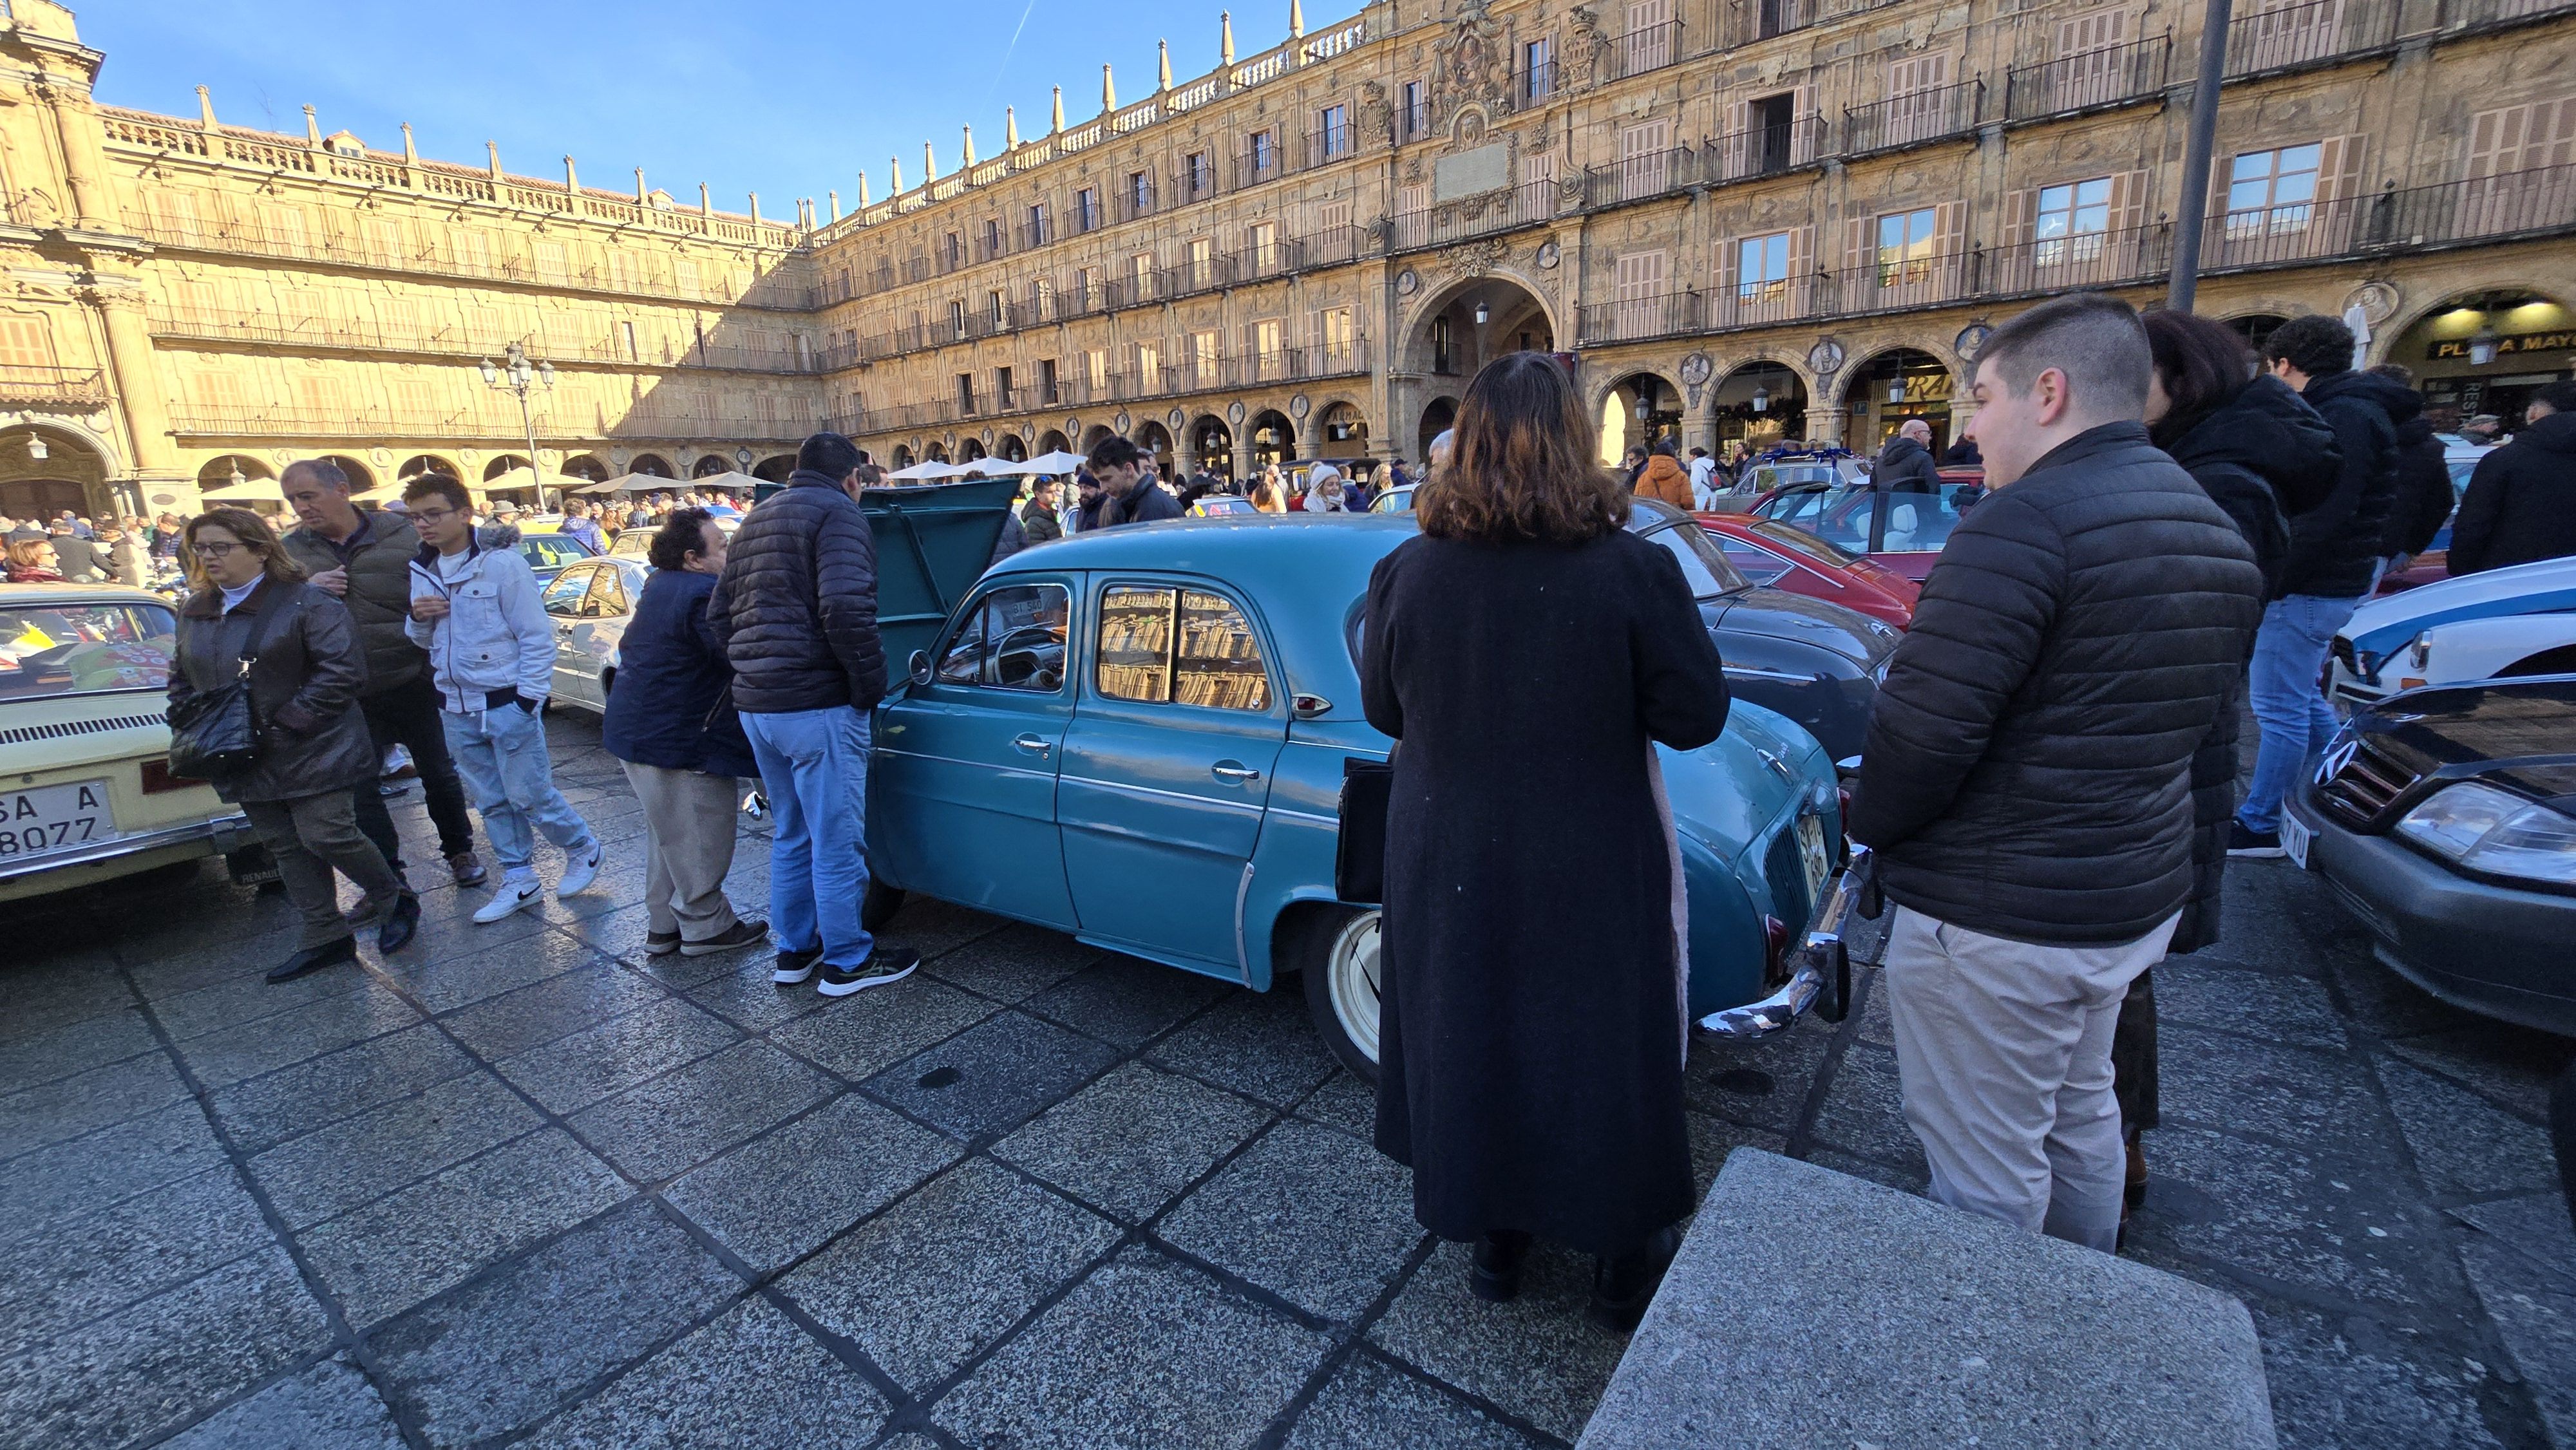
<point x="1337" y="952"/>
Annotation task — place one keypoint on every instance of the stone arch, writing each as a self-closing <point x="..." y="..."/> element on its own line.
<point x="1511" y="301"/>
<point x="1092" y="436"/>
<point x="774" y="468"/>
<point x="218" y="471"/>
<point x="1156" y="440"/>
<point x="1437" y="416"/>
<point x="1871" y="407"/>
<point x="1053" y="441"/>
<point x="934" y="451"/>
<point x="420" y="464"/>
<point x="1271" y="437"/>
<point x="1013" y="447"/>
<point x="2442" y="344"/>
<point x="651" y="465"/>
<point x="1787" y="396"/>
<point x="709" y="466"/>
<point x="1211" y="445"/>
<point x="48" y="467"/>
<point x="1640" y="404"/>
<point x="903" y="455"/>
<point x="361" y="477"/>
<point x="502" y="463"/>
<point x="1341" y="430"/>
<point x="586" y="465"/>
<point x="970" y="450"/>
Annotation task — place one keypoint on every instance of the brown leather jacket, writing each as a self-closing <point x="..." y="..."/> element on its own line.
<point x="304" y="689"/>
<point x="1666" y="479"/>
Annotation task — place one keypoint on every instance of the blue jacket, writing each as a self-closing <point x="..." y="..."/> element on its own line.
<point x="670" y="703"/>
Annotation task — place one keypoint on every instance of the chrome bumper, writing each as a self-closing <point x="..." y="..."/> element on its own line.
<point x="1822" y="978"/>
<point x="227" y="833"/>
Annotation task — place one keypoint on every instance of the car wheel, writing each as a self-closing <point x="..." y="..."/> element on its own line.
<point x="880" y="904"/>
<point x="1337" y="952"/>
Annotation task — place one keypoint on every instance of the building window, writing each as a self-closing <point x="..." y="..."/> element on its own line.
<point x="996" y="308"/>
<point x="1095" y="371"/>
<point x="1086" y="209"/>
<point x="1202" y="175"/>
<point x="1042" y="299"/>
<point x="952" y="251"/>
<point x="1416" y="118"/>
<point x="1036" y="225"/>
<point x="1046" y="383"/>
<point x="1267" y="349"/>
<point x="1265" y="246"/>
<point x="1905" y="243"/>
<point x="956" y="319"/>
<point x="1002" y="388"/>
<point x="2072" y="220"/>
<point x="1140" y="192"/>
<point x="1333" y="132"/>
<point x="966" y="394"/>
<point x="1443" y="359"/>
<point x="1762" y="267"/>
<point x="2272" y="191"/>
<point x="1538" y="68"/>
<point x="1338" y="335"/>
<point x="992" y="237"/>
<point x="1264" y="152"/>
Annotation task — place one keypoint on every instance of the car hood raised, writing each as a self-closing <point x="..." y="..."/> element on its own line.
<point x="1779" y="614"/>
<point x="2519" y="733"/>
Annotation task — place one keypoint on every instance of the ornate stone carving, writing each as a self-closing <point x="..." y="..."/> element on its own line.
<point x="1474" y="259"/>
<point x="1472" y="61"/>
<point x="1377" y="118"/>
<point x="1588" y="50"/>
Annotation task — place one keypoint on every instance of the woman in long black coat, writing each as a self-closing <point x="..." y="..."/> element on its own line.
<point x="1525" y="651"/>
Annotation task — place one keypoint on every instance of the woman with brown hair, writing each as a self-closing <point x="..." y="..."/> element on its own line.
<point x="305" y="668"/>
<point x="1527" y="653"/>
<point x="32" y="561"/>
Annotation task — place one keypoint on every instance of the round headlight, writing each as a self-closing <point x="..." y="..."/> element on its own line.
<point x="2485" y="829"/>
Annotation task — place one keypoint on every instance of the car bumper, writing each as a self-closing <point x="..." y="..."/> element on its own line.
<point x="2489" y="949"/>
<point x="124" y="856"/>
<point x="1822" y="974"/>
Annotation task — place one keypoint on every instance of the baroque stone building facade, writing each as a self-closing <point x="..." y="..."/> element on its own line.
<point x="1755" y="219"/>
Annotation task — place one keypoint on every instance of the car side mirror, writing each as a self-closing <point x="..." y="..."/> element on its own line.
<point x="919" y="667"/>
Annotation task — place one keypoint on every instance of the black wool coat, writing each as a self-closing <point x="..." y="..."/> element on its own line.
<point x="2334" y="547"/>
<point x="2521" y="503"/>
<point x="1530" y="1030"/>
<point x="796" y="606"/>
<point x="2026" y="772"/>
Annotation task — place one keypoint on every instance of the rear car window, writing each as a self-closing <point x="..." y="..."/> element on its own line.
<point x="547" y="551"/>
<point x="1184" y="646"/>
<point x="52" y="650"/>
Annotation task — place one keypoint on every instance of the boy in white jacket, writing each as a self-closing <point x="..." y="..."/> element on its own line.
<point x="492" y="655"/>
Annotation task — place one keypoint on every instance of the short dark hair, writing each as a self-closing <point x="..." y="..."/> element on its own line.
<point x="828" y="454"/>
<point x="2557" y="397"/>
<point x="438" y="485"/>
<point x="321" y="470"/>
<point x="2202" y="363"/>
<point x="1116" y="452"/>
<point x="1667" y="447"/>
<point x="2398" y="373"/>
<point x="2316" y="344"/>
<point x="1698" y="452"/>
<point x="2092" y="338"/>
<point x="681" y="535"/>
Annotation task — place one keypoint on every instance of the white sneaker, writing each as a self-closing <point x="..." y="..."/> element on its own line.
<point x="580" y="871"/>
<point x="512" y="896"/>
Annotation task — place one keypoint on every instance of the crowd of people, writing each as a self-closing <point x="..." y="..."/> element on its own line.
<point x="2044" y="840"/>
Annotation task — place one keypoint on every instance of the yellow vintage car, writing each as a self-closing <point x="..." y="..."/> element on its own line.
<point x="86" y="793"/>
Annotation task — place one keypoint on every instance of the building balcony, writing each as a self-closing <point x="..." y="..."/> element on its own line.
<point x="29" y="386"/>
<point x="1527" y="204"/>
<point x="1913" y="119"/>
<point x="1759" y="20"/>
<point x="1143" y="383"/>
<point x="2090" y="80"/>
<point x="2291" y="36"/>
<point x="2511" y="207"/>
<point x="1764" y="150"/>
<point x="1648" y="47"/>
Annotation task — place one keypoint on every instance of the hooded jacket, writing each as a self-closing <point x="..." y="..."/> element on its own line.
<point x="1664" y="477"/>
<point x="2334" y="547"/>
<point x="796" y="606"/>
<point x="2256" y="450"/>
<point x="495" y="640"/>
<point x="2025" y="773"/>
<point x="1906" y="464"/>
<point x="2521" y="503"/>
<point x="2424" y="495"/>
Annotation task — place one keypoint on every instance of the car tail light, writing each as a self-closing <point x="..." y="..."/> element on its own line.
<point x="158" y="779"/>
<point x="1843" y="795"/>
<point x="1775" y="949"/>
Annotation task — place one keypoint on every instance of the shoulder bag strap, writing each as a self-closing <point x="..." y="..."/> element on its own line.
<point x="272" y="599"/>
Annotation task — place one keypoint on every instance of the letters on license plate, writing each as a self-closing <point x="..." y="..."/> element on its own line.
<point x="2295" y="837"/>
<point x="1812" y="856"/>
<point x="50" y="818"/>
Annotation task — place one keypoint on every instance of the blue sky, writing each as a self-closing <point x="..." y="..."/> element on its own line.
<point x="787" y="98"/>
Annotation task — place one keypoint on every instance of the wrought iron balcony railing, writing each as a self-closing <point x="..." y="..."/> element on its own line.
<point x="2088" y="80"/>
<point x="1913" y="118"/>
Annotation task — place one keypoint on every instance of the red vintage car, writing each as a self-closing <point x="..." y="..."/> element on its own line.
<point x="1903" y="529"/>
<point x="1786" y="557"/>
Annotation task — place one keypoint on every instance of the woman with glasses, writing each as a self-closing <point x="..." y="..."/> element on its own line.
<point x="32" y="561"/>
<point x="250" y="602"/>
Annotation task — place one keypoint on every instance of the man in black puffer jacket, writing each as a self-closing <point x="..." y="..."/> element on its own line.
<point x="2521" y="503"/>
<point x="2025" y="783"/>
<point x="2334" y="562"/>
<point x="796" y="610"/>
<point x="2424" y="496"/>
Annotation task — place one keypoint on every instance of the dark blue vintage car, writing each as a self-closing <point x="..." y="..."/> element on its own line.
<point x="1138" y="737"/>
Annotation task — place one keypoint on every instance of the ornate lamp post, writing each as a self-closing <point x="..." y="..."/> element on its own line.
<point x="517" y="376"/>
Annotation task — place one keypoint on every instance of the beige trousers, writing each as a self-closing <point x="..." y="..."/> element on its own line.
<point x="688" y="848"/>
<point x="2004" y="1050"/>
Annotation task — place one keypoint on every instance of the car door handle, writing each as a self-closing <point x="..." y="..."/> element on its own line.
<point x="1032" y="745"/>
<point x="1228" y="770"/>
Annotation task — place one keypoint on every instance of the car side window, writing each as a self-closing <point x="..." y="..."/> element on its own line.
<point x="1183" y="646"/>
<point x="607" y="596"/>
<point x="1013" y="639"/>
<point x="564" y="591"/>
<point x="1758" y="565"/>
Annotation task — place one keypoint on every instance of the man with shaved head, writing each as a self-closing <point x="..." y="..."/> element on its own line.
<point x="364" y="556"/>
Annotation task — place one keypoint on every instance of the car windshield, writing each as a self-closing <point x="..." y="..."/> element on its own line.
<point x="1916" y="521"/>
<point x="1803" y="544"/>
<point x="633" y="544"/>
<point x="52" y="650"/>
<point x="1702" y="563"/>
<point x="551" y="551"/>
<point x="1839" y="516"/>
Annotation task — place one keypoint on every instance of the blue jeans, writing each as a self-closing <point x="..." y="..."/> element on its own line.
<point x="814" y="765"/>
<point x="501" y="756"/>
<point x="2297" y="722"/>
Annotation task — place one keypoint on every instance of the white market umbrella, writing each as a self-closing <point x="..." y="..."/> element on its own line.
<point x="249" y="490"/>
<point x="729" y="480"/>
<point x="1057" y="462"/>
<point x="930" y="468"/>
<point x="1000" y="468"/>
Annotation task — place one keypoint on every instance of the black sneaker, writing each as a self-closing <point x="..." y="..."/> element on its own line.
<point x="2250" y="845"/>
<point x="885" y="964"/>
<point x="314" y="959"/>
<point x="733" y="938"/>
<point x="661" y="943"/>
<point x="795" y="966"/>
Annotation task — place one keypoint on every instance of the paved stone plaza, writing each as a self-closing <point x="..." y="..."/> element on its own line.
<point x="526" y="1184"/>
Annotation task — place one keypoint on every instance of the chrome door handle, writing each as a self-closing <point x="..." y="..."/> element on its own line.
<point x="1237" y="773"/>
<point x="1032" y="745"/>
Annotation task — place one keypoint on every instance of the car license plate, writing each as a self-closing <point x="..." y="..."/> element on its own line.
<point x="2295" y="837"/>
<point x="1812" y="856"/>
<point x="53" y="818"/>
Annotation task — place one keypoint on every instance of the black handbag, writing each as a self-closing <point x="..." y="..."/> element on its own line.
<point x="1359" y="856"/>
<point x="215" y="733"/>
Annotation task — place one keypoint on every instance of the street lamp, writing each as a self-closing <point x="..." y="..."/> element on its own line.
<point x="1481" y="314"/>
<point x="516" y="376"/>
<point x="1761" y="399"/>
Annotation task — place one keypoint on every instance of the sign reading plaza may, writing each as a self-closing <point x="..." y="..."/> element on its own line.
<point x="2509" y="345"/>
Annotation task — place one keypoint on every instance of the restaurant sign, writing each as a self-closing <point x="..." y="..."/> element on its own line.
<point x="2510" y="344"/>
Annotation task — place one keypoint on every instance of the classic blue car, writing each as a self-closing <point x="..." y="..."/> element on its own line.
<point x="1137" y="737"/>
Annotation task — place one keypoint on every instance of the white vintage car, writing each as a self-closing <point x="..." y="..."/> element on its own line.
<point x="2500" y="622"/>
<point x="86" y="793"/>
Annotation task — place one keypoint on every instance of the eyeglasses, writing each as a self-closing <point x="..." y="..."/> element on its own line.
<point x="431" y="516"/>
<point x="212" y="551"/>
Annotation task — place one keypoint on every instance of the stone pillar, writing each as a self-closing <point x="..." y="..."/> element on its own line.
<point x="136" y="382"/>
<point x="84" y="156"/>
